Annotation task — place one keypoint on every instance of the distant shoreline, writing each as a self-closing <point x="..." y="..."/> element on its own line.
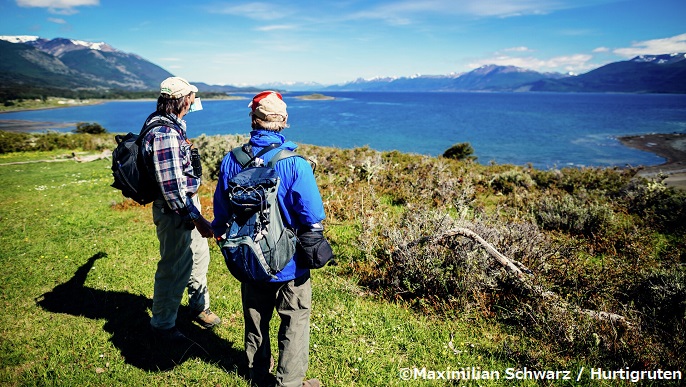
<point x="91" y="102"/>
<point x="60" y="106"/>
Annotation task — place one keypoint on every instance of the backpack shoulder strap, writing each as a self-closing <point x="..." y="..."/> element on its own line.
<point x="280" y="155"/>
<point x="244" y="154"/>
<point x="152" y="125"/>
<point x="241" y="155"/>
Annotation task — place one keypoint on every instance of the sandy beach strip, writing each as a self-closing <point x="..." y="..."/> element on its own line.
<point x="33" y="126"/>
<point x="671" y="146"/>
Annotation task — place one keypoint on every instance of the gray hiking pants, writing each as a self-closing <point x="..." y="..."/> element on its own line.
<point x="184" y="258"/>
<point x="292" y="301"/>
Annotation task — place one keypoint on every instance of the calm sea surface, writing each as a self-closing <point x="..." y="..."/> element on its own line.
<point x="546" y="130"/>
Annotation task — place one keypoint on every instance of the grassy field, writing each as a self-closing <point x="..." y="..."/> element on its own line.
<point x="77" y="286"/>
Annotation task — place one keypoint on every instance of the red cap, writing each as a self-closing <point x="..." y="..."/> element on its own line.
<point x="259" y="97"/>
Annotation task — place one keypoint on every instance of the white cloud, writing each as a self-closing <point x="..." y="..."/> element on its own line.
<point x="655" y="47"/>
<point x="570" y="63"/>
<point x="601" y="49"/>
<point x="61" y="7"/>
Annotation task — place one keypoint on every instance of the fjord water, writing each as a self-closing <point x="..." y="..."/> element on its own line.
<point x="546" y="130"/>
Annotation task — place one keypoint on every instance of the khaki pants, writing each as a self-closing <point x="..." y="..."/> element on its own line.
<point x="292" y="301"/>
<point x="184" y="258"/>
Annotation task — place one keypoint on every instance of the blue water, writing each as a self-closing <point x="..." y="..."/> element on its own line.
<point x="545" y="129"/>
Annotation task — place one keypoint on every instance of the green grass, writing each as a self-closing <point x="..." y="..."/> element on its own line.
<point x="78" y="266"/>
<point x="77" y="286"/>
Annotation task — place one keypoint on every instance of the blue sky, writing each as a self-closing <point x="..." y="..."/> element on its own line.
<point x="256" y="42"/>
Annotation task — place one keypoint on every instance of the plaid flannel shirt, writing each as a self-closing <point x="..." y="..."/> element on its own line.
<point x="168" y="153"/>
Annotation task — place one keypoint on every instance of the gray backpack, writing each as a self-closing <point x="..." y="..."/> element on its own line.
<point x="256" y="245"/>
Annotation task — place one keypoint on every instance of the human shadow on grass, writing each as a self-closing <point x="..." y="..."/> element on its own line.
<point x="128" y="322"/>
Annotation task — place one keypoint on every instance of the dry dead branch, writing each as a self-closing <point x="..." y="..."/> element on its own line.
<point x="519" y="270"/>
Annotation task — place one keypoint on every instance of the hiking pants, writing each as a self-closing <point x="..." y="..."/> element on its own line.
<point x="184" y="258"/>
<point x="292" y="301"/>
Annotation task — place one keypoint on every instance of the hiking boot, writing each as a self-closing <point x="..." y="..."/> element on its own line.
<point x="207" y="318"/>
<point x="171" y="335"/>
<point x="311" y="383"/>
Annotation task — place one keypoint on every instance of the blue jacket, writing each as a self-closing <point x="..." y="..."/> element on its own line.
<point x="299" y="197"/>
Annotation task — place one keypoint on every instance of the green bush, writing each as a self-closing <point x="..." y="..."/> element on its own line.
<point x="460" y="151"/>
<point x="89" y="128"/>
<point x="26" y="142"/>
<point x="14" y="142"/>
<point x="212" y="151"/>
<point x="659" y="206"/>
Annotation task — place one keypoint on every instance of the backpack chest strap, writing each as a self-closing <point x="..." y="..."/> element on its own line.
<point x="245" y="157"/>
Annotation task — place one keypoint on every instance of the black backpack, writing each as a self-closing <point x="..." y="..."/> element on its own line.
<point x="128" y="167"/>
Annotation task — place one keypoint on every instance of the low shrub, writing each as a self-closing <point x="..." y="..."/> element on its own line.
<point x="659" y="206"/>
<point x="89" y="128"/>
<point x="508" y="181"/>
<point x="572" y="215"/>
<point x="26" y="142"/>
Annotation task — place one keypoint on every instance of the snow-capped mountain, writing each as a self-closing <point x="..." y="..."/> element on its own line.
<point x="660" y="59"/>
<point x="19" y="39"/>
<point x="31" y="61"/>
<point x="643" y="74"/>
<point x="291" y="86"/>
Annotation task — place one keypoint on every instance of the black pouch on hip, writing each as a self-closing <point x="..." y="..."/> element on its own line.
<point x="313" y="249"/>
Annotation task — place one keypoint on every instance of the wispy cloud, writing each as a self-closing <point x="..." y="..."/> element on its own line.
<point x="255" y="11"/>
<point x="408" y="10"/>
<point x="61" y="7"/>
<point x="656" y="46"/>
<point x="57" y="20"/>
<point x="518" y="49"/>
<point x="277" y="27"/>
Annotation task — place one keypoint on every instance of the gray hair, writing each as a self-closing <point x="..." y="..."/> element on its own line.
<point x="273" y="123"/>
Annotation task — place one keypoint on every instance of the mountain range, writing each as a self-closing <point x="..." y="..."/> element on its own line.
<point x="34" y="63"/>
<point x="643" y="74"/>
<point x="485" y="78"/>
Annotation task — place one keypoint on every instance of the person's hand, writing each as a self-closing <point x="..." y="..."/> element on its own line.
<point x="204" y="227"/>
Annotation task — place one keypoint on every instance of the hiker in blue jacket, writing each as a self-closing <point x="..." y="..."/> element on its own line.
<point x="290" y="292"/>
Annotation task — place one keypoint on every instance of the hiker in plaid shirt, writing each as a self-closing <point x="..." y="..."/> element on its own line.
<point x="181" y="228"/>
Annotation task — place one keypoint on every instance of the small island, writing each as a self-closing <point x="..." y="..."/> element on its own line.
<point x="316" y="97"/>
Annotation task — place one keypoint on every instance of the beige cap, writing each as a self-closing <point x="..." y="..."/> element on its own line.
<point x="268" y="103"/>
<point x="176" y="87"/>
